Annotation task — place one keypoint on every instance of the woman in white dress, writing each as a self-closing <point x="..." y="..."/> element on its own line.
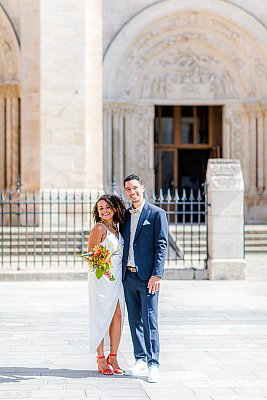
<point x="106" y="298"/>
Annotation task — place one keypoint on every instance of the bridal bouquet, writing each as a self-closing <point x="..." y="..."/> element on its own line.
<point x="99" y="261"/>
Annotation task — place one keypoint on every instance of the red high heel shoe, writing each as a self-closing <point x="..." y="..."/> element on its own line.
<point x="116" y="371"/>
<point x="107" y="371"/>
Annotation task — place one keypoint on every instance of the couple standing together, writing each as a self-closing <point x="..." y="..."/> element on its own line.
<point x="137" y="239"/>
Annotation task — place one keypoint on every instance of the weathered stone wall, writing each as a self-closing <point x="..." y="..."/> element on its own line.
<point x="71" y="91"/>
<point x="57" y="67"/>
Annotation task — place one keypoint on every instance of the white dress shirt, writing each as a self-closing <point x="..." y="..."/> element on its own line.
<point x="134" y="222"/>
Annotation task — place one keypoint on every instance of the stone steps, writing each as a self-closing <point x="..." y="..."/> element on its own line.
<point x="255" y="240"/>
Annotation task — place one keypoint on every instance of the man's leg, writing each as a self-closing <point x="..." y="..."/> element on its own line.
<point x="133" y="303"/>
<point x="149" y="304"/>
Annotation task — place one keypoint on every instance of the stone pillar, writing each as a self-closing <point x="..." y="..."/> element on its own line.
<point x="15" y="139"/>
<point x="252" y="146"/>
<point x="93" y="95"/>
<point x="2" y="143"/>
<point x="225" y="220"/>
<point x="226" y="135"/>
<point x="30" y="94"/>
<point x="128" y="143"/>
<point x="260" y="151"/>
<point x="139" y="144"/>
<point x="264" y="166"/>
<point x="8" y="120"/>
<point x="236" y="137"/>
<point x="9" y="136"/>
<point x="107" y="146"/>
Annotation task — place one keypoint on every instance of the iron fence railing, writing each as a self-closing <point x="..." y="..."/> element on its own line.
<point x="51" y="228"/>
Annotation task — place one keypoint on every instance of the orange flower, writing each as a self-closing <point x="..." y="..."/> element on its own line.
<point x="99" y="261"/>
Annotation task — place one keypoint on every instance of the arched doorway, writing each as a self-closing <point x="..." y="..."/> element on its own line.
<point x="187" y="54"/>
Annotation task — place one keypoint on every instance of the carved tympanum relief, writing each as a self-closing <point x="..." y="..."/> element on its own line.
<point x="192" y="55"/>
<point x="187" y="74"/>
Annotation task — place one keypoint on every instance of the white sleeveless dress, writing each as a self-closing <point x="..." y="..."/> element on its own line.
<point x="105" y="295"/>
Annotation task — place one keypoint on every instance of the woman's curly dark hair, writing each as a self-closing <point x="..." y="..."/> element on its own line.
<point x="117" y="205"/>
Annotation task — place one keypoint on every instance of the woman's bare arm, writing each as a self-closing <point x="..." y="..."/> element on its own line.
<point x="97" y="235"/>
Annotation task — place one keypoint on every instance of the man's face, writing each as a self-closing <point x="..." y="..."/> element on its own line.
<point x="134" y="191"/>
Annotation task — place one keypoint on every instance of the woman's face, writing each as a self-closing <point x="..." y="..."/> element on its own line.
<point x="105" y="211"/>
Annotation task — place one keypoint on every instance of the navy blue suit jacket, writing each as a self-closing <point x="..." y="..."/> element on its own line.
<point x="150" y="242"/>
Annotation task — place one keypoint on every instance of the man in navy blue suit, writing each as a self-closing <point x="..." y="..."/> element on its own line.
<point x="145" y="235"/>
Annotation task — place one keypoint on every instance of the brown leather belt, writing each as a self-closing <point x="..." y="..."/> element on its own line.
<point x="132" y="269"/>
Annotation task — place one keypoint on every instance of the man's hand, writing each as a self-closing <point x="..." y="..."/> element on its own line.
<point x="153" y="284"/>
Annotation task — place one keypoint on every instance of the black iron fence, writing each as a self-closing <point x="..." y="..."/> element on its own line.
<point x="51" y="228"/>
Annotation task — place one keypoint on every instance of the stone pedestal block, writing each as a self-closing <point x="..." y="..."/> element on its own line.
<point x="225" y="219"/>
<point x="228" y="268"/>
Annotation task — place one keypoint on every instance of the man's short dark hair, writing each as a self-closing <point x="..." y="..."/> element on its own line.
<point x="132" y="177"/>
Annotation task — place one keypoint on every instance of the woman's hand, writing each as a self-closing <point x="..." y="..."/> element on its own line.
<point x="108" y="274"/>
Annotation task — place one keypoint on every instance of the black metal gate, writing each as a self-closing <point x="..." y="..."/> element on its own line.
<point x="50" y="230"/>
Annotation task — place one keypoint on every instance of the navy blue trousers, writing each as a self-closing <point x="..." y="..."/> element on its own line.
<point x="142" y="310"/>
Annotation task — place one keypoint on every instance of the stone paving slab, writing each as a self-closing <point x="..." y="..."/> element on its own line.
<point x="213" y="343"/>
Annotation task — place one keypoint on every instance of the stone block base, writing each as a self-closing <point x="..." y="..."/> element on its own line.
<point x="227" y="269"/>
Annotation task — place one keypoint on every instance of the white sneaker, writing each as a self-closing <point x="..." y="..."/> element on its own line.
<point x="153" y="374"/>
<point x="138" y="369"/>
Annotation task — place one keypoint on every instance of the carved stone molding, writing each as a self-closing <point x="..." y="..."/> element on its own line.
<point x="130" y="128"/>
<point x="189" y="55"/>
<point x="9" y="50"/>
<point x="236" y="137"/>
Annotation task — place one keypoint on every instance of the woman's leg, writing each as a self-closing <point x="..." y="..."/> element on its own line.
<point x="115" y="335"/>
<point x="100" y="349"/>
<point x="101" y="361"/>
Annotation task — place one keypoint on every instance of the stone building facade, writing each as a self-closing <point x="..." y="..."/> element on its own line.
<point x="51" y="94"/>
<point x="159" y="69"/>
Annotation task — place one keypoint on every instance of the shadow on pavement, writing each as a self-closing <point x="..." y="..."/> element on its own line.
<point x="24" y="373"/>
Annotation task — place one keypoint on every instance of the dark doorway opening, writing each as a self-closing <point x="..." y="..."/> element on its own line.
<point x="185" y="137"/>
<point x="192" y="168"/>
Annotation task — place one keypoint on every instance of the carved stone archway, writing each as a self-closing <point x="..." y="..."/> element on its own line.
<point x="9" y="103"/>
<point x="208" y="52"/>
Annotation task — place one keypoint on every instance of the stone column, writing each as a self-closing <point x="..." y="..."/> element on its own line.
<point x="15" y="139"/>
<point x="8" y="121"/>
<point x="107" y="147"/>
<point x="9" y="136"/>
<point x="265" y="147"/>
<point x="260" y="151"/>
<point x="236" y="137"/>
<point x="139" y="144"/>
<point x="226" y="135"/>
<point x="128" y="143"/>
<point x="93" y="95"/>
<point x="225" y="220"/>
<point x="2" y="142"/>
<point x="30" y="94"/>
<point x="114" y="146"/>
<point x="252" y="147"/>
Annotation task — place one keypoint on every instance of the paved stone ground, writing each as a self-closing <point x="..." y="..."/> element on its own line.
<point x="213" y="339"/>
